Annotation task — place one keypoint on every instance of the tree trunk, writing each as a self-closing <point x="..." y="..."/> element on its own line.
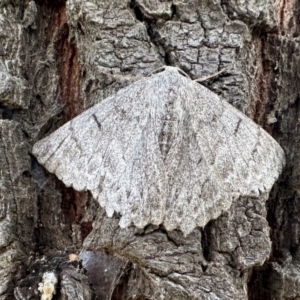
<point x="56" y="58"/>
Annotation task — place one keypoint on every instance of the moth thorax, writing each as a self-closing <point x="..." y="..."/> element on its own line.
<point x="169" y="129"/>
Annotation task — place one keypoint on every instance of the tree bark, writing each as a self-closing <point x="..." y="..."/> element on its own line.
<point x="56" y="58"/>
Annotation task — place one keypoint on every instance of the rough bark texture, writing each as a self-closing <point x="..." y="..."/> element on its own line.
<point x="55" y="57"/>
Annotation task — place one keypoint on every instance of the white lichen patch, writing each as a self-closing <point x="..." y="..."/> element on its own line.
<point x="48" y="285"/>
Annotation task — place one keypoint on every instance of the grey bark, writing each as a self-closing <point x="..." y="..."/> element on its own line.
<point x="55" y="57"/>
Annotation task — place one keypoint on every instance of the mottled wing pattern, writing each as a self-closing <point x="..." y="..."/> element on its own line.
<point x="164" y="150"/>
<point x="111" y="150"/>
<point x="244" y="157"/>
<point x="218" y="155"/>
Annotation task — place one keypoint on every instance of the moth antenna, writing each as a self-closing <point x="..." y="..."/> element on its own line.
<point x="156" y="71"/>
<point x="183" y="73"/>
<point x="210" y="76"/>
<point x="122" y="76"/>
<point x="164" y="67"/>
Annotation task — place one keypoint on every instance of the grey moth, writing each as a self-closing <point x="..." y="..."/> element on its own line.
<point x="164" y="150"/>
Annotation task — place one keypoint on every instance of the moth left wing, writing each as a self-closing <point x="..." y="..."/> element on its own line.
<point x="111" y="150"/>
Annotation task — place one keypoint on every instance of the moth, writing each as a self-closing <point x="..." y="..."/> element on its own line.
<point x="164" y="150"/>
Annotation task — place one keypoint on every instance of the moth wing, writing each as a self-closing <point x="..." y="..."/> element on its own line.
<point x="223" y="155"/>
<point x="241" y="154"/>
<point x="111" y="150"/>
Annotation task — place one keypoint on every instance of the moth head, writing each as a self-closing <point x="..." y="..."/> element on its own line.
<point x="170" y="69"/>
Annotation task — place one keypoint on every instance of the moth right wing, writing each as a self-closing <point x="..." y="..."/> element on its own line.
<point x="218" y="155"/>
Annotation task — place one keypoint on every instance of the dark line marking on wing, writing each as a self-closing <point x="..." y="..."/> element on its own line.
<point x="97" y="121"/>
<point x="237" y="126"/>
